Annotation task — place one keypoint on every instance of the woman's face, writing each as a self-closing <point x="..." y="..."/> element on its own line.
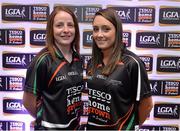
<point x="103" y="33"/>
<point x="63" y="27"/>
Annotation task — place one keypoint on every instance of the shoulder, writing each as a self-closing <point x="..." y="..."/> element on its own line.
<point x="41" y="58"/>
<point x="131" y="59"/>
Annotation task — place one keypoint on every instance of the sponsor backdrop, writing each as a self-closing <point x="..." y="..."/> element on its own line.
<point x="151" y="30"/>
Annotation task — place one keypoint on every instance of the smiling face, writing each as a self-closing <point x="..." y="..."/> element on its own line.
<point x="103" y="33"/>
<point x="64" y="30"/>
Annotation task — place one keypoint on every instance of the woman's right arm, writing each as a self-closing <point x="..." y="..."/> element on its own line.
<point x="29" y="102"/>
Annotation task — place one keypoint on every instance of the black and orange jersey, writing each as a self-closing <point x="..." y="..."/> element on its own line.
<point x="113" y="99"/>
<point x="57" y="85"/>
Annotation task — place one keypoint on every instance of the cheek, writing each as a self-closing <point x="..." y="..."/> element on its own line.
<point x="55" y="31"/>
<point x="94" y="36"/>
<point x="112" y="37"/>
<point x="73" y="31"/>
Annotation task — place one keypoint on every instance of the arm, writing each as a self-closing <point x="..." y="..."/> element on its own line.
<point x="29" y="102"/>
<point x="145" y="107"/>
<point x="36" y="73"/>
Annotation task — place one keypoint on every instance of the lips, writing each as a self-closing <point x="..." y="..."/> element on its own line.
<point x="100" y="41"/>
<point x="65" y="37"/>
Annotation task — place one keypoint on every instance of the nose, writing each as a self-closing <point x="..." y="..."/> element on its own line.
<point x="65" y="29"/>
<point x="99" y="33"/>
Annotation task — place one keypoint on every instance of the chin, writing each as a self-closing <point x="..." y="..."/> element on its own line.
<point x="101" y="47"/>
<point x="66" y="42"/>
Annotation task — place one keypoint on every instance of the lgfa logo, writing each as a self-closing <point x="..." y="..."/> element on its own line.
<point x="153" y="87"/>
<point x="170" y="63"/>
<point x="89" y="37"/>
<point x="123" y="14"/>
<point x="39" y="36"/>
<point x="150" y="39"/>
<point x="15" y="12"/>
<point x="16" y="60"/>
<point x="13" y="106"/>
<point x="171" y="14"/>
<point x="168" y="110"/>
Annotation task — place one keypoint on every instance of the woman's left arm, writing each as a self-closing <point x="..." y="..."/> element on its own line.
<point x="145" y="107"/>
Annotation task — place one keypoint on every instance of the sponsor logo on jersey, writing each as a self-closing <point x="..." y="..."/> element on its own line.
<point x="11" y="83"/>
<point x="169" y="15"/>
<point x="140" y="15"/>
<point x="12" y="125"/>
<point x="13" y="12"/>
<point x="165" y="87"/>
<point x="17" y="60"/>
<point x="61" y="78"/>
<point x="159" y="128"/>
<point x="13" y="106"/>
<point x="74" y="98"/>
<point x="168" y="64"/>
<point x="12" y="37"/>
<point x="148" y="61"/>
<point x="73" y="73"/>
<point x="166" y="111"/>
<point x="37" y="37"/>
<point x="99" y="104"/>
<point x="84" y="14"/>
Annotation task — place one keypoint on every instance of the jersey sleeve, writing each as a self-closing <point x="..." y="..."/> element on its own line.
<point x="36" y="77"/>
<point x="140" y="82"/>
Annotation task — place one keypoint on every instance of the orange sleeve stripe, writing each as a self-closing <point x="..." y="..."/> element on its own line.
<point x="56" y="71"/>
<point x="129" y="113"/>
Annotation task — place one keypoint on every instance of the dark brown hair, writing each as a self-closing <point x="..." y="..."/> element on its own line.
<point x="118" y="46"/>
<point x="49" y="31"/>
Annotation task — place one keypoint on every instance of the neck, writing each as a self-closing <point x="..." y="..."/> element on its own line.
<point x="107" y="54"/>
<point x="66" y="51"/>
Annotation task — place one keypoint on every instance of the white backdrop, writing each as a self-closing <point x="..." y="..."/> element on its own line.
<point x="162" y="36"/>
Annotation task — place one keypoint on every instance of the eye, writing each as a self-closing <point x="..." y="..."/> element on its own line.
<point x="106" y="29"/>
<point x="95" y="29"/>
<point x="59" y="25"/>
<point x="70" y="25"/>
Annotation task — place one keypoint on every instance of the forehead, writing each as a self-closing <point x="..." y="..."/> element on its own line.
<point x="63" y="16"/>
<point x="100" y="20"/>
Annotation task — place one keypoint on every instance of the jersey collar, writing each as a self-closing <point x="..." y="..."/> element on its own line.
<point x="60" y="55"/>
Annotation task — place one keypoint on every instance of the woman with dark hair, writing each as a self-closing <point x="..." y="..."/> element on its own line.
<point x="54" y="78"/>
<point x="119" y="90"/>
